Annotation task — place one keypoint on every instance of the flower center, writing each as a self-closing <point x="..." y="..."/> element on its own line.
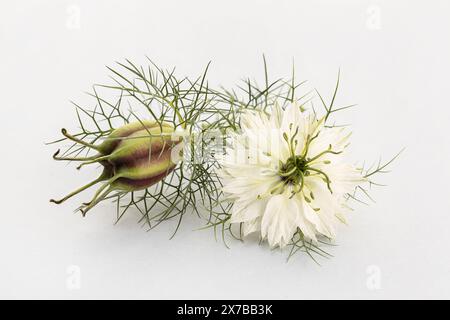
<point x="297" y="167"/>
<point x="294" y="170"/>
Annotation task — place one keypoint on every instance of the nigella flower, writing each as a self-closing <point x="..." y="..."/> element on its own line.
<point x="285" y="172"/>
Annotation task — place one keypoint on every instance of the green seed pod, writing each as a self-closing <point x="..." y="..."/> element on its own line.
<point x="134" y="157"/>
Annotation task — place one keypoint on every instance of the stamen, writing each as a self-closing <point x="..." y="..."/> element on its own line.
<point x="309" y="140"/>
<point x="287" y="174"/>
<point x="271" y="190"/>
<point x="327" y="179"/>
<point x="291" y="145"/>
<point x="324" y="153"/>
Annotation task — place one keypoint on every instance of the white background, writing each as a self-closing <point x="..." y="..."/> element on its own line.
<point x="394" y="58"/>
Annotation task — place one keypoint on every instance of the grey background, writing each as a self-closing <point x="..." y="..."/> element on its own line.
<point x="394" y="58"/>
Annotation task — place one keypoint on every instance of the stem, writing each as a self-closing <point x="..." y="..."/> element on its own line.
<point x="177" y="112"/>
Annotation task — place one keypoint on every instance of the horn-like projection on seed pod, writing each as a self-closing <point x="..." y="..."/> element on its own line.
<point x="134" y="157"/>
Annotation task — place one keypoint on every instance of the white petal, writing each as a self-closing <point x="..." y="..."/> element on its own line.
<point x="243" y="212"/>
<point x="305" y="226"/>
<point x="251" y="226"/>
<point x="279" y="220"/>
<point x="314" y="217"/>
<point x="276" y="116"/>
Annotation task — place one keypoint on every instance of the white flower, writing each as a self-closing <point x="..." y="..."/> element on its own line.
<point x="284" y="172"/>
